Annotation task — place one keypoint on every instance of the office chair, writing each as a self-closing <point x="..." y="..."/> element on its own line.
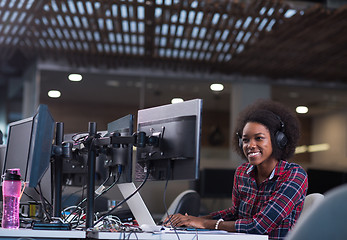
<point x="186" y="202"/>
<point x="310" y="201"/>
<point x="324" y="220"/>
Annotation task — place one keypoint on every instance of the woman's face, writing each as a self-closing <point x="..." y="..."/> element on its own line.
<point x="256" y="143"/>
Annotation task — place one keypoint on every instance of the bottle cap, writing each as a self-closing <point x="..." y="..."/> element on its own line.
<point x="12" y="174"/>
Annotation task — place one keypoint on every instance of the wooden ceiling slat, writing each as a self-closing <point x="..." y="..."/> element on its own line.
<point x="113" y="21"/>
<point x="205" y="24"/>
<point x="149" y="29"/>
<point x="169" y="11"/>
<point x="213" y="42"/>
<point x="256" y="14"/>
<point x="136" y="33"/>
<point x="5" y="9"/>
<point x="189" y="33"/>
<point x="230" y="23"/>
<point x="176" y="37"/>
<point x="121" y="32"/>
<point x="186" y="31"/>
<point x="233" y="34"/>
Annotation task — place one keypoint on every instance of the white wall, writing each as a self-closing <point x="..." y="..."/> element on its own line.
<point x="330" y="129"/>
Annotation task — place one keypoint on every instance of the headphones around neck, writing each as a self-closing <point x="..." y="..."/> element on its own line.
<point x="280" y="138"/>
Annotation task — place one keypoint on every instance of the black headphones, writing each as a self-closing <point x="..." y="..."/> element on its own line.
<point x="280" y="138"/>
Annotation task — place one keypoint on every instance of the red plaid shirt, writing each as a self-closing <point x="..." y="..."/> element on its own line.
<point x="271" y="208"/>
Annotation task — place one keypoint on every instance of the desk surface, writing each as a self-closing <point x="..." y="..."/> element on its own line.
<point x="29" y="233"/>
<point x="164" y="235"/>
<point x="183" y="235"/>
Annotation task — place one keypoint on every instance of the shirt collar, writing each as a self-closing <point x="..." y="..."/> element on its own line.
<point x="276" y="171"/>
<point x="272" y="173"/>
<point x="250" y="169"/>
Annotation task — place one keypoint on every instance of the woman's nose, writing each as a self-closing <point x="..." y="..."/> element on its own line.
<point x="251" y="143"/>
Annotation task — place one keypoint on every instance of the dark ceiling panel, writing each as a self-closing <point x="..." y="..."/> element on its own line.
<point x="272" y="38"/>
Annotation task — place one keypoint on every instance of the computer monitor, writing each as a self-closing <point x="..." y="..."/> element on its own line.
<point x="177" y="154"/>
<point x="209" y="185"/>
<point x="29" y="146"/>
<point x="18" y="146"/>
<point x="122" y="154"/>
<point x="75" y="169"/>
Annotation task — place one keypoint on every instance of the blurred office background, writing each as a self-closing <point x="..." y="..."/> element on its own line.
<point x="138" y="54"/>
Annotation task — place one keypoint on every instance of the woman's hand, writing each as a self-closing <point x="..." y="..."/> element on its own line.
<point x="204" y="222"/>
<point x="179" y="220"/>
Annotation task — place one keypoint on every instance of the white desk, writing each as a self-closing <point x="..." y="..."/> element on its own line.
<point x="183" y="235"/>
<point x="75" y="234"/>
<point x="42" y="234"/>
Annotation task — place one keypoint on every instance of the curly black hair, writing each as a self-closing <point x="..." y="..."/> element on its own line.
<point x="275" y="117"/>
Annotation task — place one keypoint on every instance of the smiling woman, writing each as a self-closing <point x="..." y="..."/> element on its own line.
<point x="268" y="192"/>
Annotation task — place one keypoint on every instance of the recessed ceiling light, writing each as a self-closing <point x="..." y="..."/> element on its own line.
<point x="217" y="87"/>
<point x="177" y="100"/>
<point x="293" y="94"/>
<point x="54" y="94"/>
<point x="138" y="84"/>
<point x="74" y="77"/>
<point x="112" y="83"/>
<point x="302" y="109"/>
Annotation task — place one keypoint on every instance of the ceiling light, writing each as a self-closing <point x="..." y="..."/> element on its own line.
<point x="54" y="94"/>
<point x="293" y="94"/>
<point x="217" y="87"/>
<point x="177" y="100"/>
<point x="302" y="109"/>
<point x="112" y="83"/>
<point x="75" y="77"/>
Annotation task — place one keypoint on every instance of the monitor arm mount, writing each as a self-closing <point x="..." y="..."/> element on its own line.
<point x="61" y="150"/>
<point x="95" y="143"/>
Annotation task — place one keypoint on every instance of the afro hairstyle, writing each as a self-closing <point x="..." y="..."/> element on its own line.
<point x="275" y="117"/>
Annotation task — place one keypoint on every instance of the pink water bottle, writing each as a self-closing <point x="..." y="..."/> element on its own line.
<point x="11" y="191"/>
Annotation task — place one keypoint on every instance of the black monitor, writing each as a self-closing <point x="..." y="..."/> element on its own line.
<point x="121" y="154"/>
<point x="209" y="183"/>
<point x="18" y="145"/>
<point x="75" y="170"/>
<point x="177" y="154"/>
<point x="29" y="146"/>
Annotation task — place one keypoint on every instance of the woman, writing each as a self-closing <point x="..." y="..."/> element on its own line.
<point x="269" y="192"/>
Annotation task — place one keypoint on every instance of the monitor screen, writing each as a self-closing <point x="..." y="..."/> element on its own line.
<point x="29" y="146"/>
<point x="177" y="154"/>
<point x="18" y="146"/>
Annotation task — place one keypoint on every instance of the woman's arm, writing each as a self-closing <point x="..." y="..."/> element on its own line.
<point x="204" y="222"/>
